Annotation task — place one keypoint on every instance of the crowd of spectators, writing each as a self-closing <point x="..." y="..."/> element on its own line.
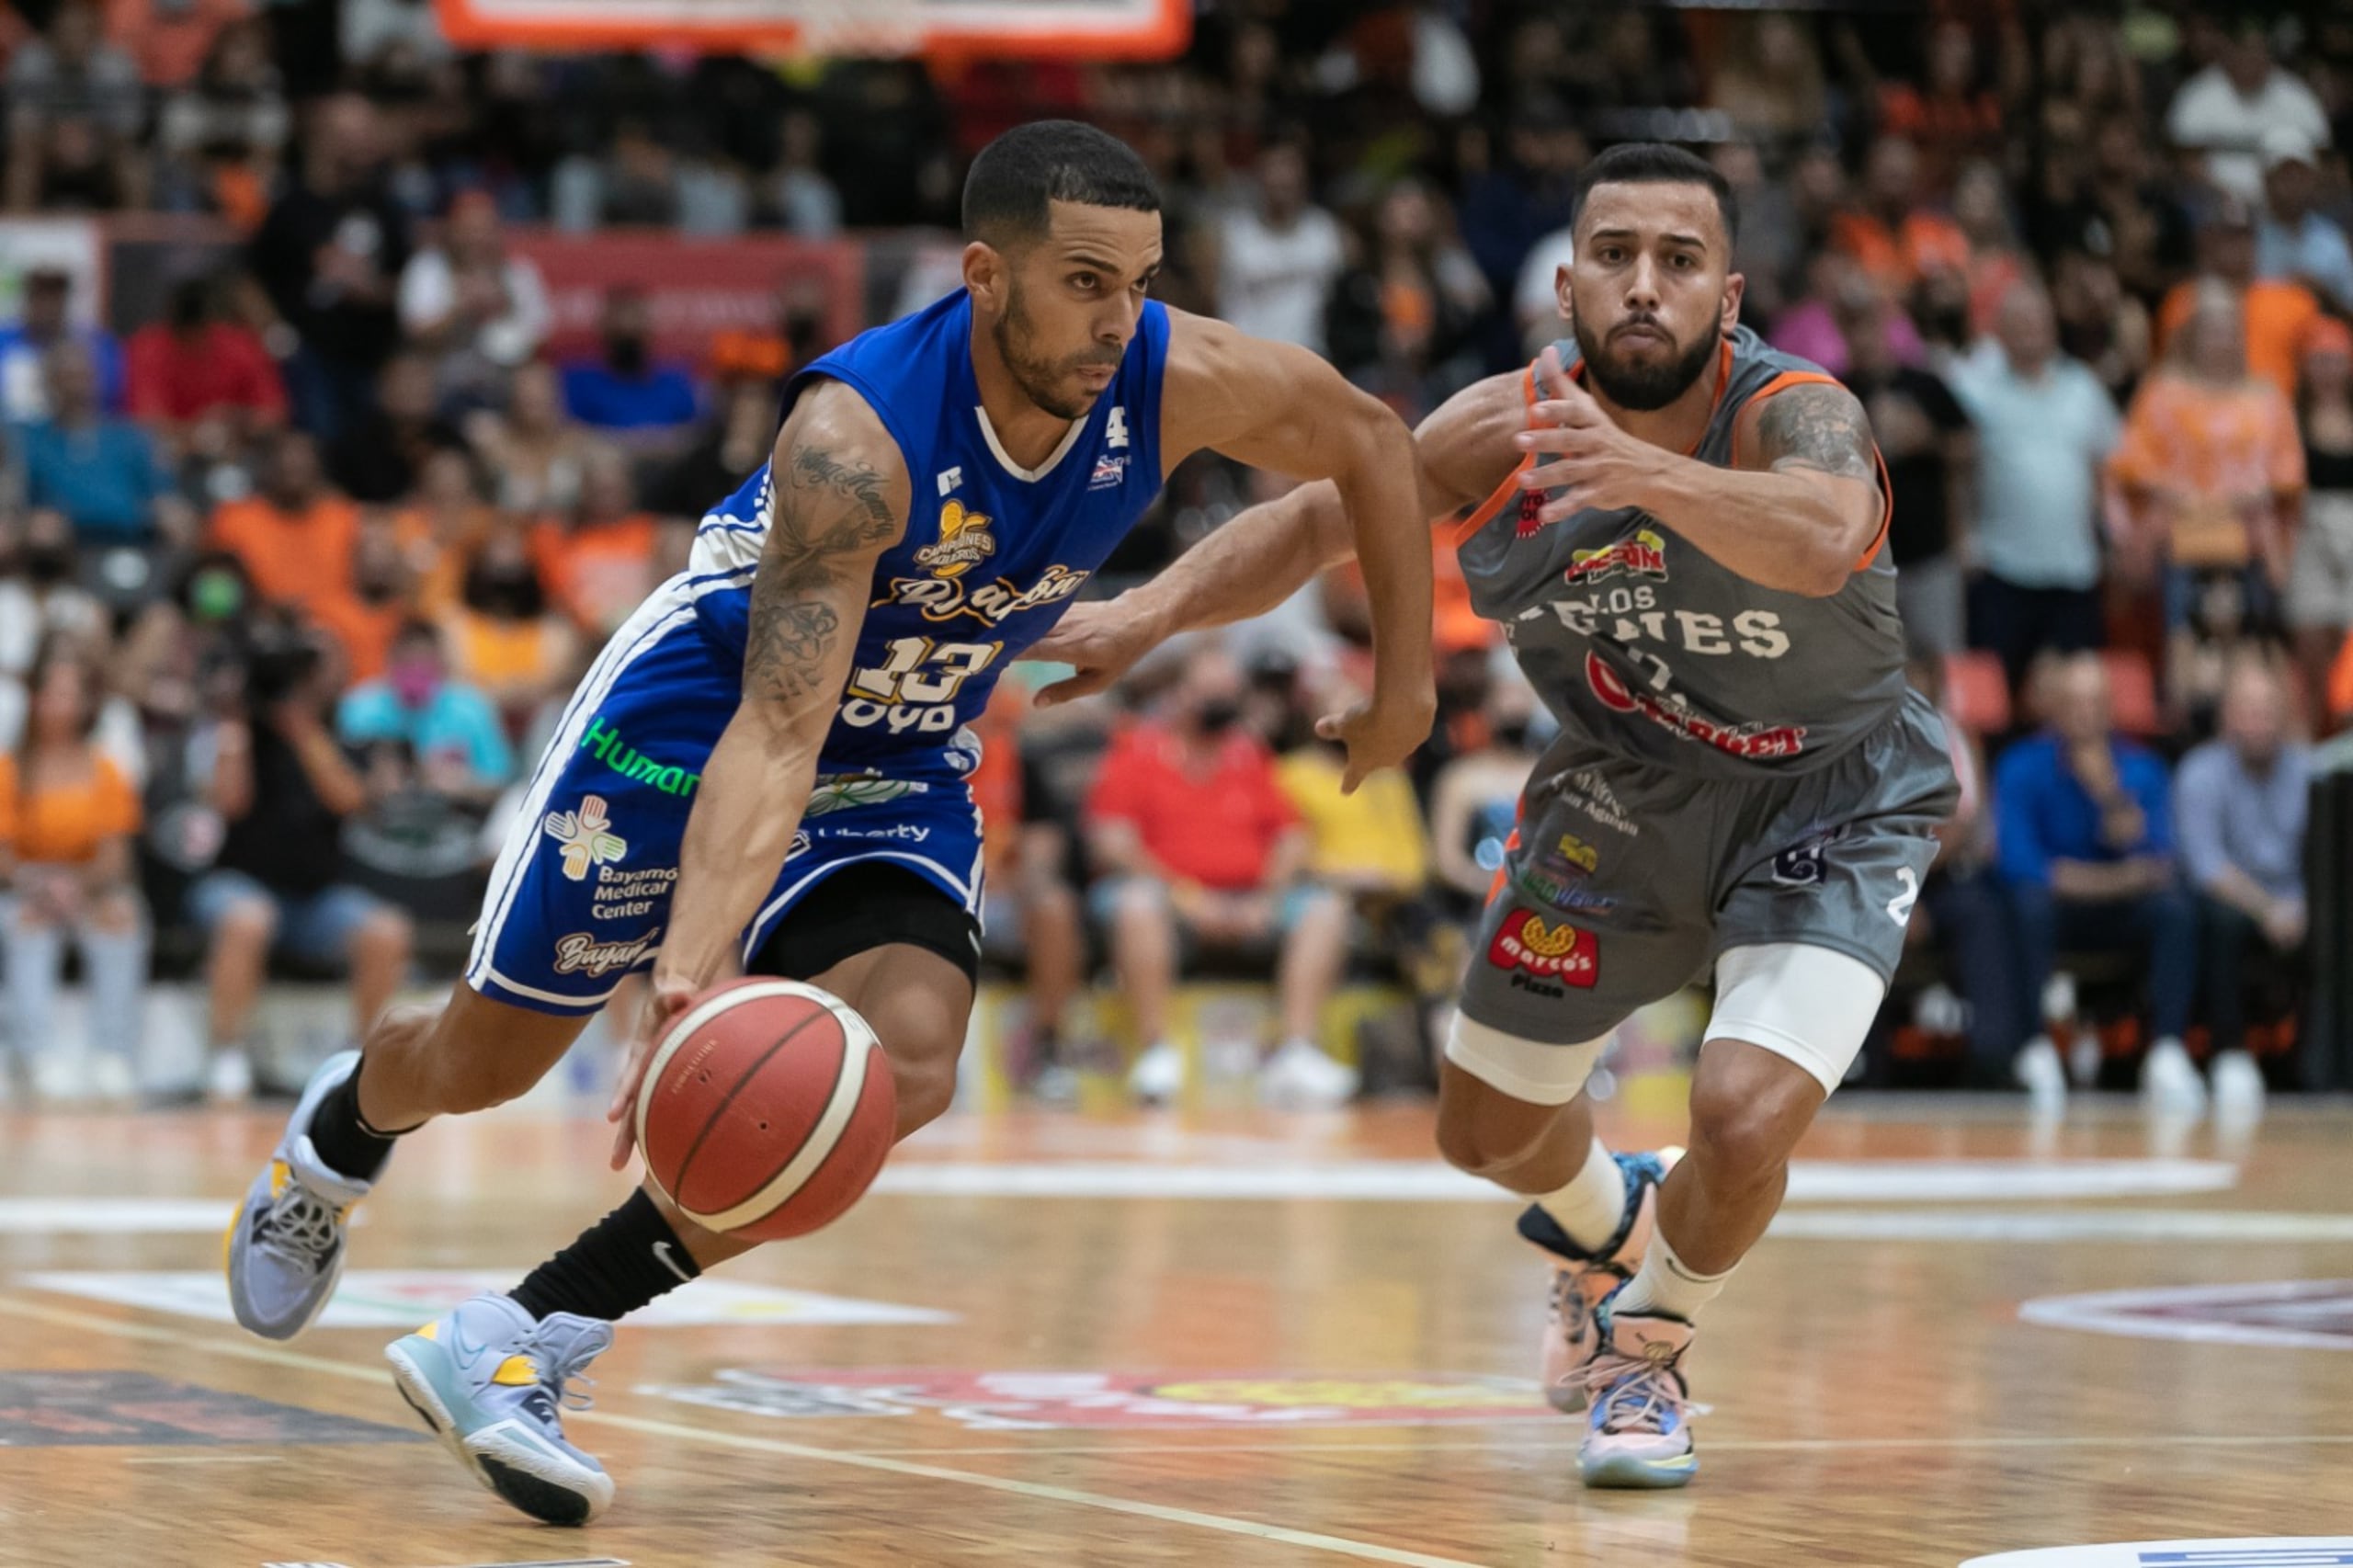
<point x="292" y="574"/>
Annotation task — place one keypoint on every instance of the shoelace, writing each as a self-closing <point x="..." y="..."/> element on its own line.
<point x="1635" y="1394"/>
<point x="562" y="1377"/>
<point x="301" y="1223"/>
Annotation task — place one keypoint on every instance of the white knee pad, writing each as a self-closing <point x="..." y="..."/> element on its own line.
<point x="1537" y="1072"/>
<point x="1813" y="1005"/>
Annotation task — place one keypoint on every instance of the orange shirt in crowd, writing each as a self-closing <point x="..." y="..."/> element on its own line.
<point x="1896" y="257"/>
<point x="365" y="631"/>
<point x="300" y="558"/>
<point x="438" y="560"/>
<point x="1217" y="828"/>
<point x="2278" y="316"/>
<point x="2220" y="444"/>
<point x="995" y="783"/>
<point x="69" y="827"/>
<point x="499" y="655"/>
<point x="597" y="574"/>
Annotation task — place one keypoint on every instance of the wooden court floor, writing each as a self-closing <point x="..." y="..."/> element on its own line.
<point x="1067" y="1340"/>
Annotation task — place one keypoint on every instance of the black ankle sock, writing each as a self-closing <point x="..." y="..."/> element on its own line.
<point x="621" y="1262"/>
<point x="343" y="1138"/>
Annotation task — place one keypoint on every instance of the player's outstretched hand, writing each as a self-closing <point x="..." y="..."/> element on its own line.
<point x="1104" y="640"/>
<point x="665" y="999"/>
<point x="1595" y="464"/>
<point x="1378" y="735"/>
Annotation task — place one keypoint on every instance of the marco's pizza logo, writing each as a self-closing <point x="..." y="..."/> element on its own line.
<point x="964" y="542"/>
<point x="1548" y="950"/>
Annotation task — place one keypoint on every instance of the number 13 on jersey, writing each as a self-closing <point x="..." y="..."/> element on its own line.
<point x="915" y="685"/>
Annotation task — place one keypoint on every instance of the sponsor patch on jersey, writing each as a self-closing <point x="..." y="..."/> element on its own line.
<point x="964" y="542"/>
<point x="1109" y="473"/>
<point x="1577" y="852"/>
<point x="992" y="604"/>
<point x="1758" y="742"/>
<point x="1547" y="885"/>
<point x="1645" y="556"/>
<point x="583" y="952"/>
<point x="584" y="836"/>
<point x="1547" y="949"/>
<point x="840" y="791"/>
<point x="1801" y="864"/>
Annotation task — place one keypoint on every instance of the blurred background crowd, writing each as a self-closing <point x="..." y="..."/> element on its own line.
<point x="328" y="462"/>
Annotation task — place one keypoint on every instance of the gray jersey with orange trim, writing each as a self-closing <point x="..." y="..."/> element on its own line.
<point x="1644" y="647"/>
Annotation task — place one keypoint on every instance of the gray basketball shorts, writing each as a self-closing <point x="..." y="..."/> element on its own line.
<point x="1626" y="881"/>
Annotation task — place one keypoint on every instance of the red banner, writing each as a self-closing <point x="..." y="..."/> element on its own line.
<point x="696" y="288"/>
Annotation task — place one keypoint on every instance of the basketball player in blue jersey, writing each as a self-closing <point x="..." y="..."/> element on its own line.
<point x="765" y="770"/>
<point x="1679" y="530"/>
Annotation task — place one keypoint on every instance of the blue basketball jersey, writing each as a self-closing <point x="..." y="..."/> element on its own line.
<point x="992" y="555"/>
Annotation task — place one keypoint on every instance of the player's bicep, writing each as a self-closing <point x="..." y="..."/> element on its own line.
<point x="840" y="500"/>
<point x="1817" y="431"/>
<point x="1272" y="405"/>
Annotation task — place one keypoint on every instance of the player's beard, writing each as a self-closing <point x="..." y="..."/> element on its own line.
<point x="1041" y="380"/>
<point x="1641" y="389"/>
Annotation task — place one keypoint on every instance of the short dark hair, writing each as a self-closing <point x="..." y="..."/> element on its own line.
<point x="1013" y="184"/>
<point x="1656" y="163"/>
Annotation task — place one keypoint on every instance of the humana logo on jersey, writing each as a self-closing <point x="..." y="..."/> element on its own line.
<point x="945" y="599"/>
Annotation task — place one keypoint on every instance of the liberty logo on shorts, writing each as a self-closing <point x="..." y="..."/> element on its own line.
<point x="1554" y="951"/>
<point x="587" y="837"/>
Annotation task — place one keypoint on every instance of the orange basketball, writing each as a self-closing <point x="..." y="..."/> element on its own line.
<point x="767" y="1111"/>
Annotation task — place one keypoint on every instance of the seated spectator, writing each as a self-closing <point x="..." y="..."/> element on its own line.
<point x="41" y="597"/>
<point x="67" y="815"/>
<point x="478" y="308"/>
<point x="2277" y="313"/>
<point x="1399" y="324"/>
<point x="1474" y="803"/>
<point x="2239" y="805"/>
<point x="504" y="637"/>
<point x="1932" y="455"/>
<point x="2210" y="475"/>
<point x="284" y="786"/>
<point x="1980" y="207"/>
<point x="2320" y="586"/>
<point x="598" y="562"/>
<point x="2099" y="324"/>
<point x="627" y="389"/>
<point x="46" y="323"/>
<point x="75" y="104"/>
<point x="2222" y="115"/>
<point x="197" y="364"/>
<point x="1954" y="116"/>
<point x="103" y="473"/>
<point x="796" y="191"/>
<point x="295" y="537"/>
<point x="364" y="616"/>
<point x="1961" y="913"/>
<point x="735" y="443"/>
<point x="219" y="137"/>
<point x="1196" y="841"/>
<point x="2044" y="426"/>
<point x="1031" y="915"/>
<point x="378" y="458"/>
<point x="450" y="727"/>
<point x="443" y="526"/>
<point x="1278" y="256"/>
<point x="2085" y="837"/>
<point x="2296" y="241"/>
<point x="329" y="256"/>
<point x="535" y="448"/>
<point x="1893" y="236"/>
<point x="1839" y="298"/>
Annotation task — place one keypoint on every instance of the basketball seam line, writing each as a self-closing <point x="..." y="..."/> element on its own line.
<point x="687" y="1162"/>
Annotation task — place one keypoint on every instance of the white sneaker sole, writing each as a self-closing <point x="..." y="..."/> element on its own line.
<point x="520" y="1473"/>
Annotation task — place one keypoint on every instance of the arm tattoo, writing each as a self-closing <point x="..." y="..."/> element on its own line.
<point x="824" y="510"/>
<point x="1818" y="428"/>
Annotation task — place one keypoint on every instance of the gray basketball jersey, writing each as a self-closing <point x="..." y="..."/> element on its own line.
<point x="1643" y="646"/>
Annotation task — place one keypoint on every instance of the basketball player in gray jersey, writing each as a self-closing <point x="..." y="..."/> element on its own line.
<point x="1681" y="532"/>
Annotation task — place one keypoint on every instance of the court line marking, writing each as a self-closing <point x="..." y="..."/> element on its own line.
<point x="1715" y="1445"/>
<point x="205" y="1459"/>
<point x="1281" y="1534"/>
